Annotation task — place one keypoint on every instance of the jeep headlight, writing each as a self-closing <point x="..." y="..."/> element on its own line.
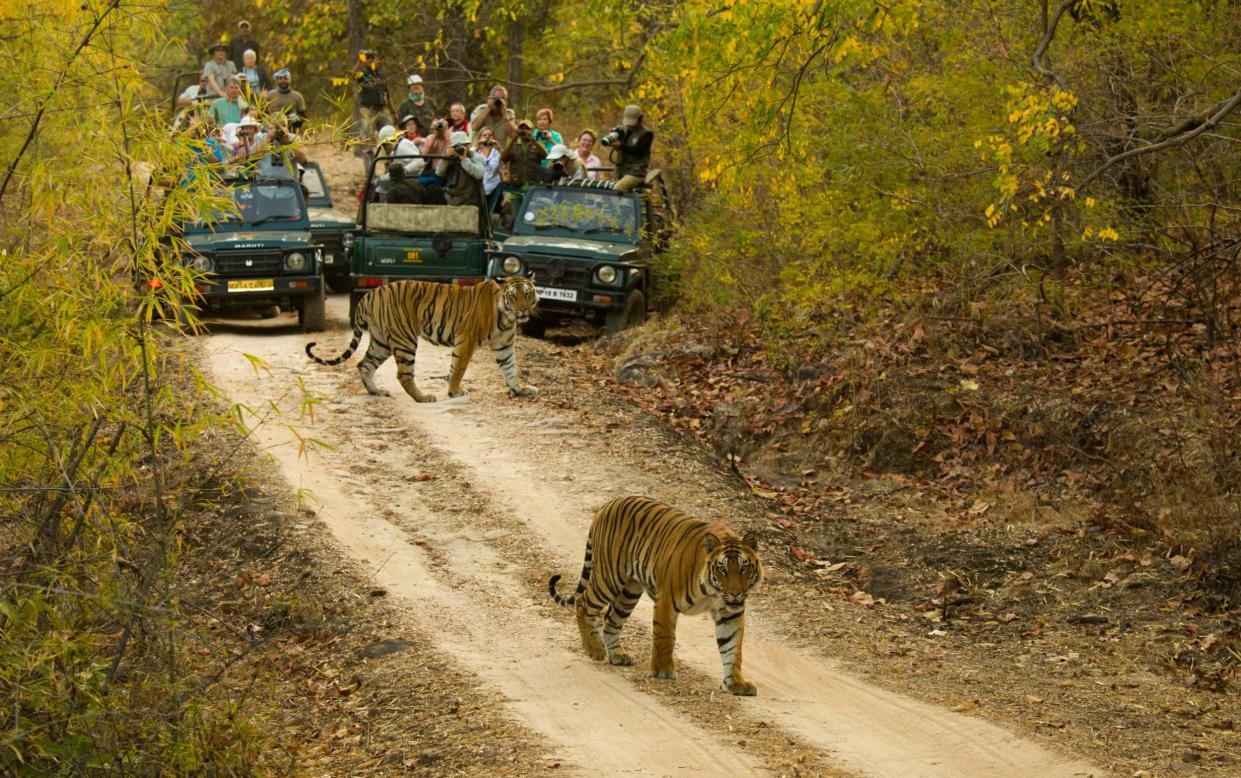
<point x="511" y="264"/>
<point x="346" y="240"/>
<point x="606" y="274"/>
<point x="295" y="261"/>
<point x="201" y="263"/>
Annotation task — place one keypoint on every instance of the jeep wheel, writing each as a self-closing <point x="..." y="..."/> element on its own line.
<point x="631" y="315"/>
<point x="338" y="284"/>
<point x="534" y="327"/>
<point x="312" y="311"/>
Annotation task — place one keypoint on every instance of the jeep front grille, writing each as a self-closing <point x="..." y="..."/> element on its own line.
<point x="559" y="272"/>
<point x="244" y="263"/>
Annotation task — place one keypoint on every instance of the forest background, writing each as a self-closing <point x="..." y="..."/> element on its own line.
<point x="976" y="241"/>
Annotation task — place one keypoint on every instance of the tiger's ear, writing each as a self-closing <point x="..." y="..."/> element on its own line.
<point x="750" y="540"/>
<point x="710" y="541"/>
<point x="530" y="274"/>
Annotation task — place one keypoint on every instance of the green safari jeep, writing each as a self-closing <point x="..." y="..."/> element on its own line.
<point x="261" y="256"/>
<point x="590" y="248"/>
<point x="329" y="227"/>
<point x="425" y="242"/>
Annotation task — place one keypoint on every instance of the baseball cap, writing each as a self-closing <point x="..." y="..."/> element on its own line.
<point x="631" y="116"/>
<point x="459" y="138"/>
<point x="282" y="73"/>
<point x="414" y="78"/>
<point x="242" y="23"/>
<point x="525" y="123"/>
<point x="561" y="150"/>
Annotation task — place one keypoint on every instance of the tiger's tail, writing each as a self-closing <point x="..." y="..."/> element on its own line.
<point x="359" y="324"/>
<point x="581" y="583"/>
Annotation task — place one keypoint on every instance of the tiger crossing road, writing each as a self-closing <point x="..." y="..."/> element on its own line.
<point x="464" y="507"/>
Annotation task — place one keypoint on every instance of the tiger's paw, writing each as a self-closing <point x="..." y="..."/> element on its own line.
<point x="461" y="393"/>
<point x="667" y="675"/>
<point x="426" y="398"/>
<point x="522" y="391"/>
<point x="380" y="392"/>
<point x="620" y="658"/>
<point x="741" y="688"/>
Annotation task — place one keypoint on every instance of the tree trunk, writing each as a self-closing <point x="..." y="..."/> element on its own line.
<point x="515" y="32"/>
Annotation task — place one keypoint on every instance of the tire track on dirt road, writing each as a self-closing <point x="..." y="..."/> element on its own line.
<point x="535" y="464"/>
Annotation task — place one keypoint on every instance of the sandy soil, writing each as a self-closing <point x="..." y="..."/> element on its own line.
<point x="463" y="508"/>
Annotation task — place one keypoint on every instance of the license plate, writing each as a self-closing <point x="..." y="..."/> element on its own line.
<point x="413" y="255"/>
<point x="328" y="258"/>
<point x="551" y="293"/>
<point x="252" y="285"/>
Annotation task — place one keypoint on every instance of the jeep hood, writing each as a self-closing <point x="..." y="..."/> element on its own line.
<point x="256" y="239"/>
<point x="549" y="245"/>
<point x="329" y="219"/>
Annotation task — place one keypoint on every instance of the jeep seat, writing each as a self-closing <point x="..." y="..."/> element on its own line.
<point x="404" y="217"/>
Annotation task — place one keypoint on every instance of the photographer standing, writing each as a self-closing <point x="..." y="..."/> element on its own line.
<point x="495" y="115"/>
<point x="487" y="148"/>
<point x="372" y="90"/>
<point x="524" y="156"/>
<point x="631" y="149"/>
<point x="463" y="174"/>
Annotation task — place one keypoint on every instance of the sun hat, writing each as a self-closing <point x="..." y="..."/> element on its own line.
<point x="459" y="138"/>
<point x="561" y="150"/>
<point x="406" y="119"/>
<point x="242" y="23"/>
<point x="387" y="133"/>
<point x="414" y="78"/>
<point x="524" y="123"/>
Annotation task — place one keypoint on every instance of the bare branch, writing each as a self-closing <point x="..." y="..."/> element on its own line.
<point x="1048" y="34"/>
<point x="1197" y="126"/>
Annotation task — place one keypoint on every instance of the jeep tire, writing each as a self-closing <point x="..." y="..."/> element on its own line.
<point x="338" y="283"/>
<point x="631" y="314"/>
<point x="312" y="311"/>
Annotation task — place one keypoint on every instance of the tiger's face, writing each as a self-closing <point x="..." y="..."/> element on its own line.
<point x="519" y="298"/>
<point x="732" y="567"/>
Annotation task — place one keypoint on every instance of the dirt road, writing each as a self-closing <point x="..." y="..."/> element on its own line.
<point x="463" y="508"/>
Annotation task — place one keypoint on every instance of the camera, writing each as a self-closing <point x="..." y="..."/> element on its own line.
<point x="541" y="134"/>
<point x="439" y="124"/>
<point x="616" y="134"/>
<point x="497" y="102"/>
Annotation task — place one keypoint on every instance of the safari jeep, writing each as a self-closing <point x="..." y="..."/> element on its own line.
<point x="329" y="228"/>
<point x="445" y="243"/>
<point x="262" y="255"/>
<point x="590" y="248"/>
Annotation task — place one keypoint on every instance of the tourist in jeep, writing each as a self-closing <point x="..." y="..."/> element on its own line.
<point x="496" y="115"/>
<point x="456" y="119"/>
<point x="463" y="174"/>
<point x="487" y="148"/>
<point x="631" y="146"/>
<point x="229" y="108"/>
<point x="218" y="70"/>
<point x="588" y="163"/>
<point x="284" y="97"/>
<point x="402" y="189"/>
<point x="244" y="42"/>
<point x="255" y="73"/>
<point x="561" y="163"/>
<point x="417" y="105"/>
<point x="543" y="132"/>
<point x="524" y="156"/>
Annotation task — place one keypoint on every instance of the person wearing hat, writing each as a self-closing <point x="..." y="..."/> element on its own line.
<point x="495" y="114"/>
<point x="218" y="70"/>
<point x="284" y="97"/>
<point x="631" y="149"/>
<point x="417" y="105"/>
<point x="561" y="163"/>
<point x="249" y="141"/>
<point x="488" y="150"/>
<point x="229" y="108"/>
<point x="239" y="45"/>
<point x="409" y="127"/>
<point x="524" y="156"/>
<point x="463" y="174"/>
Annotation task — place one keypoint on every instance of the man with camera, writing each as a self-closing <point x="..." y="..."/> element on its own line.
<point x="496" y="116"/>
<point x="631" y="149"/>
<point x="524" y="156"/>
<point x="372" y="89"/>
<point x="463" y="174"/>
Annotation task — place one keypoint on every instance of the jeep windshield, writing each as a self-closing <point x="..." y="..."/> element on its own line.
<point x="257" y="203"/>
<point x="567" y="211"/>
